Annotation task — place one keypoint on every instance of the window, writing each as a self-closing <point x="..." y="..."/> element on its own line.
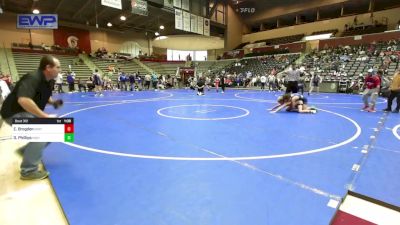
<point x="180" y="55"/>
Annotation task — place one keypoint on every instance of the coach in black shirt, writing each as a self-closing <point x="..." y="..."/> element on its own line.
<point x="28" y="99"/>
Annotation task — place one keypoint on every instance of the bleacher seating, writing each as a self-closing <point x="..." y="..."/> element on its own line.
<point x="131" y="67"/>
<point x="55" y="49"/>
<point x="282" y="40"/>
<point x="354" y="67"/>
<point x="126" y="66"/>
<point x="367" y="29"/>
<point x="348" y="62"/>
<point x="26" y="46"/>
<point x="164" y="68"/>
<point x="204" y="66"/>
<point x="27" y="62"/>
<point x="103" y="64"/>
<point x="213" y="66"/>
<point x="262" y="65"/>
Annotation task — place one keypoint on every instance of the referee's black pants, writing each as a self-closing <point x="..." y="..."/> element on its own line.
<point x="392" y="96"/>
<point x="292" y="87"/>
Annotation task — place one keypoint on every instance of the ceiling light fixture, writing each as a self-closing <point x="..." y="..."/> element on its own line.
<point x="109" y="24"/>
<point x="162" y="27"/>
<point x="161" y="38"/>
<point x="35" y="11"/>
<point x="123" y="18"/>
<point x="318" y="37"/>
<point x="156" y="33"/>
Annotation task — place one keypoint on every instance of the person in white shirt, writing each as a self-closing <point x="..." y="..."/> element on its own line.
<point x="193" y="83"/>
<point x="59" y="81"/>
<point x="147" y="79"/>
<point x="253" y="81"/>
<point x="4" y="91"/>
<point x="248" y="79"/>
<point x="208" y="83"/>
<point x="248" y="74"/>
<point x="271" y="82"/>
<point x="45" y="47"/>
<point x="263" y="80"/>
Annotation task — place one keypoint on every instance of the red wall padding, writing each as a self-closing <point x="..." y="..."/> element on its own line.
<point x="292" y="47"/>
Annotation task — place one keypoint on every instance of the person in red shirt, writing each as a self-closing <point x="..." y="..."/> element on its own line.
<point x="372" y="83"/>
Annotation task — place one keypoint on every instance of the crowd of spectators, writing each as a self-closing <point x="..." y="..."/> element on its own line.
<point x="46" y="48"/>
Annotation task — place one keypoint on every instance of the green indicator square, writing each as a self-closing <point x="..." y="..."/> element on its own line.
<point x="68" y="137"/>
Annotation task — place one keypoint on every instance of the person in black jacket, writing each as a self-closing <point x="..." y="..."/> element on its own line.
<point x="200" y="86"/>
<point x="132" y="82"/>
<point x="222" y="83"/>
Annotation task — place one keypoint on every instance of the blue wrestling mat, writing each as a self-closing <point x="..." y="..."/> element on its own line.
<point x="172" y="157"/>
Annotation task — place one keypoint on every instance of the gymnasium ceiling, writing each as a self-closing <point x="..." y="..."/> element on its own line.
<point x="90" y="12"/>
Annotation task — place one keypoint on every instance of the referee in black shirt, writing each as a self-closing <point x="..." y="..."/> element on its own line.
<point x="28" y="100"/>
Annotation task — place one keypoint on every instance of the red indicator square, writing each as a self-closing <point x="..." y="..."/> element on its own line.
<point x="68" y="128"/>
